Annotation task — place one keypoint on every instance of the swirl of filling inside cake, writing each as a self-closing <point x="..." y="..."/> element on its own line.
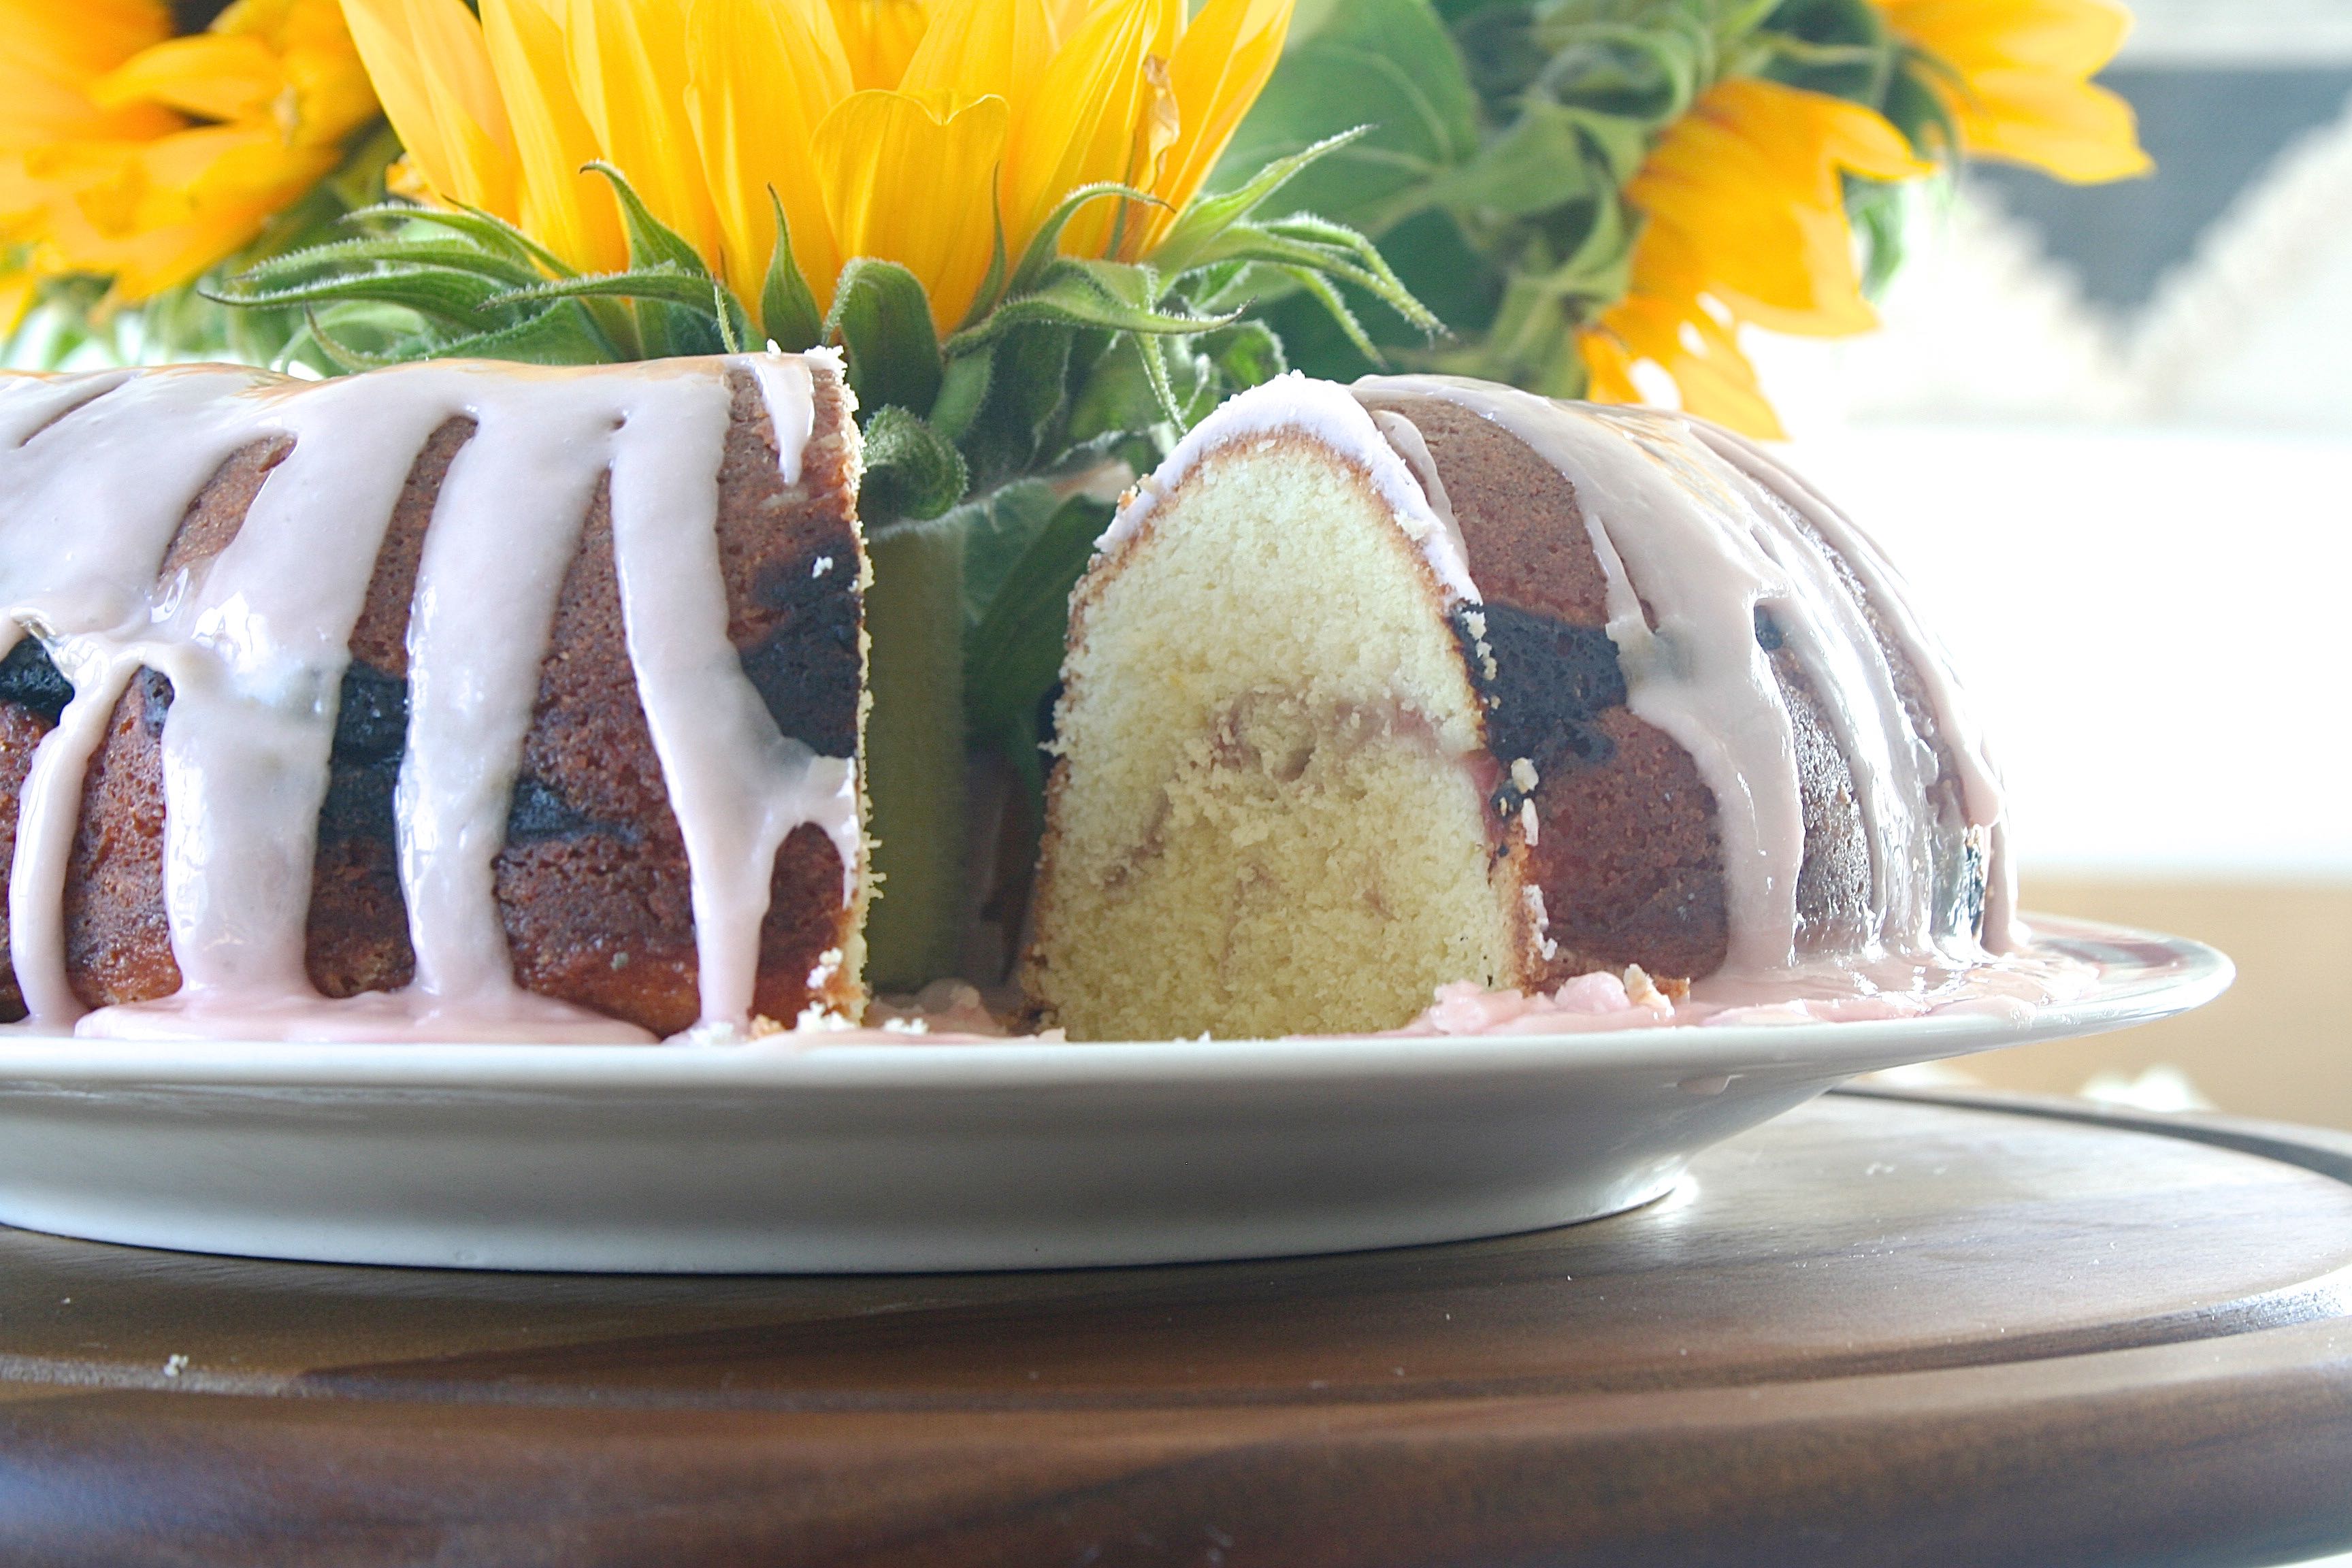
<point x="459" y="700"/>
<point x="1375" y="689"/>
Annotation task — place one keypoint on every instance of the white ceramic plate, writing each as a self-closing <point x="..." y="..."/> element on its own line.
<point x="903" y="1157"/>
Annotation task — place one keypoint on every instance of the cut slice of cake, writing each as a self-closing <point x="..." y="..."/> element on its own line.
<point x="1373" y="689"/>
<point x="460" y="701"/>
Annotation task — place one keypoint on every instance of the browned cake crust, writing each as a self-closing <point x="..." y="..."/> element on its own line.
<point x="1627" y="855"/>
<point x="592" y="883"/>
<point x="22" y="725"/>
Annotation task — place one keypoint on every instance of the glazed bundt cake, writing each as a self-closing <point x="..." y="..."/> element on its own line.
<point x="1377" y="689"/>
<point x="459" y="700"/>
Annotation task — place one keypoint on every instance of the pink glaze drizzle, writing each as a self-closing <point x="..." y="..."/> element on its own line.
<point x="96" y="474"/>
<point x="1697" y="531"/>
<point x="1291" y="402"/>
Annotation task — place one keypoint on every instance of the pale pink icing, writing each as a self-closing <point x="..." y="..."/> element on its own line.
<point x="1980" y="779"/>
<point x="944" y="1012"/>
<point x="2011" y="988"/>
<point x="1324" y="410"/>
<point x="96" y="473"/>
<point x="1828" y="992"/>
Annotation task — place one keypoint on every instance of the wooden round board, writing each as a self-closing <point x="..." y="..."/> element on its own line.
<point x="1914" y="1330"/>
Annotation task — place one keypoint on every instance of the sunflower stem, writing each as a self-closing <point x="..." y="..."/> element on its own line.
<point x="915" y="755"/>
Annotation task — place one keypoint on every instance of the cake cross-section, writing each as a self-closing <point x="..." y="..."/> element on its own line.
<point x="1377" y="689"/>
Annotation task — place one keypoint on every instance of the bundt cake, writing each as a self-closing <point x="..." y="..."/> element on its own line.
<point x="1375" y="689"/>
<point x="458" y="701"/>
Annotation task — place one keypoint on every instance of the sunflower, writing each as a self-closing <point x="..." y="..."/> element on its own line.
<point x="1743" y="199"/>
<point x="923" y="134"/>
<point x="1744" y="208"/>
<point x="128" y="154"/>
<point x="2014" y="77"/>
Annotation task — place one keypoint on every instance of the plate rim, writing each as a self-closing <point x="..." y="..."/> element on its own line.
<point x="34" y="1063"/>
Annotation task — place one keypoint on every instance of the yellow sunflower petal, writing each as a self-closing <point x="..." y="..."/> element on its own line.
<point x="74" y="42"/>
<point x="630" y="69"/>
<point x="18" y="290"/>
<point x="1221" y="64"/>
<point x="55" y="50"/>
<point x="901" y="181"/>
<point x="1810" y="135"/>
<point x="159" y="214"/>
<point x="2073" y="38"/>
<point x="224" y="165"/>
<point x="973" y="48"/>
<point x="1745" y="200"/>
<point x="2074" y="130"/>
<point x="210" y="74"/>
<point x="1789" y="269"/>
<point x="767" y="75"/>
<point x="570" y="213"/>
<point x="879" y="36"/>
<point x="1712" y="376"/>
<point x="1082" y="122"/>
<point x="1609" y="368"/>
<point x="2022" y="90"/>
<point x="432" y="70"/>
<point x="332" y="96"/>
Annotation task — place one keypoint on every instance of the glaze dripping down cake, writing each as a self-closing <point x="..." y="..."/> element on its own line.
<point x="1373" y="689"/>
<point x="459" y="700"/>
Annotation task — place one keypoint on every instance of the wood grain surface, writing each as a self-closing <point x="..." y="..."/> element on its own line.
<point x="1878" y="1331"/>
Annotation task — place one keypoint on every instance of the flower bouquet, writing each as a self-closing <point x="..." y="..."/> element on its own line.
<point x="1047" y="235"/>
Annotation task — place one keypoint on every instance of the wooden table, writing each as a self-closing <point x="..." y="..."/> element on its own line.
<point x="1882" y="1330"/>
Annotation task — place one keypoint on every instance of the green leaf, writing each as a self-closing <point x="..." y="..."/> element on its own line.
<point x="651" y="241"/>
<point x="1304" y="242"/>
<point x="455" y="254"/>
<point x="565" y="335"/>
<point x="992" y="282"/>
<point x="383" y="334"/>
<point x="963" y="392"/>
<point x="664" y="283"/>
<point x="696" y="305"/>
<point x="1047" y="241"/>
<point x="1877" y="211"/>
<point x="1152" y="350"/>
<point x="1647" y="70"/>
<point x="1320" y="289"/>
<point x="1116" y="296"/>
<point x="1194" y="380"/>
<point x="1554" y="154"/>
<point x="493" y="236"/>
<point x="1388" y="63"/>
<point x="1246" y="353"/>
<point x="1841" y="47"/>
<point x="998" y="528"/>
<point x="1113" y="394"/>
<point x="911" y="470"/>
<point x="1010" y="430"/>
<point x="1013" y="656"/>
<point x="1127" y="389"/>
<point x="664" y="329"/>
<point x="787" y="307"/>
<point x="1187" y="243"/>
<point x="349" y="358"/>
<point x="883" y="319"/>
<point x="1919" y="110"/>
<point x="436" y="292"/>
